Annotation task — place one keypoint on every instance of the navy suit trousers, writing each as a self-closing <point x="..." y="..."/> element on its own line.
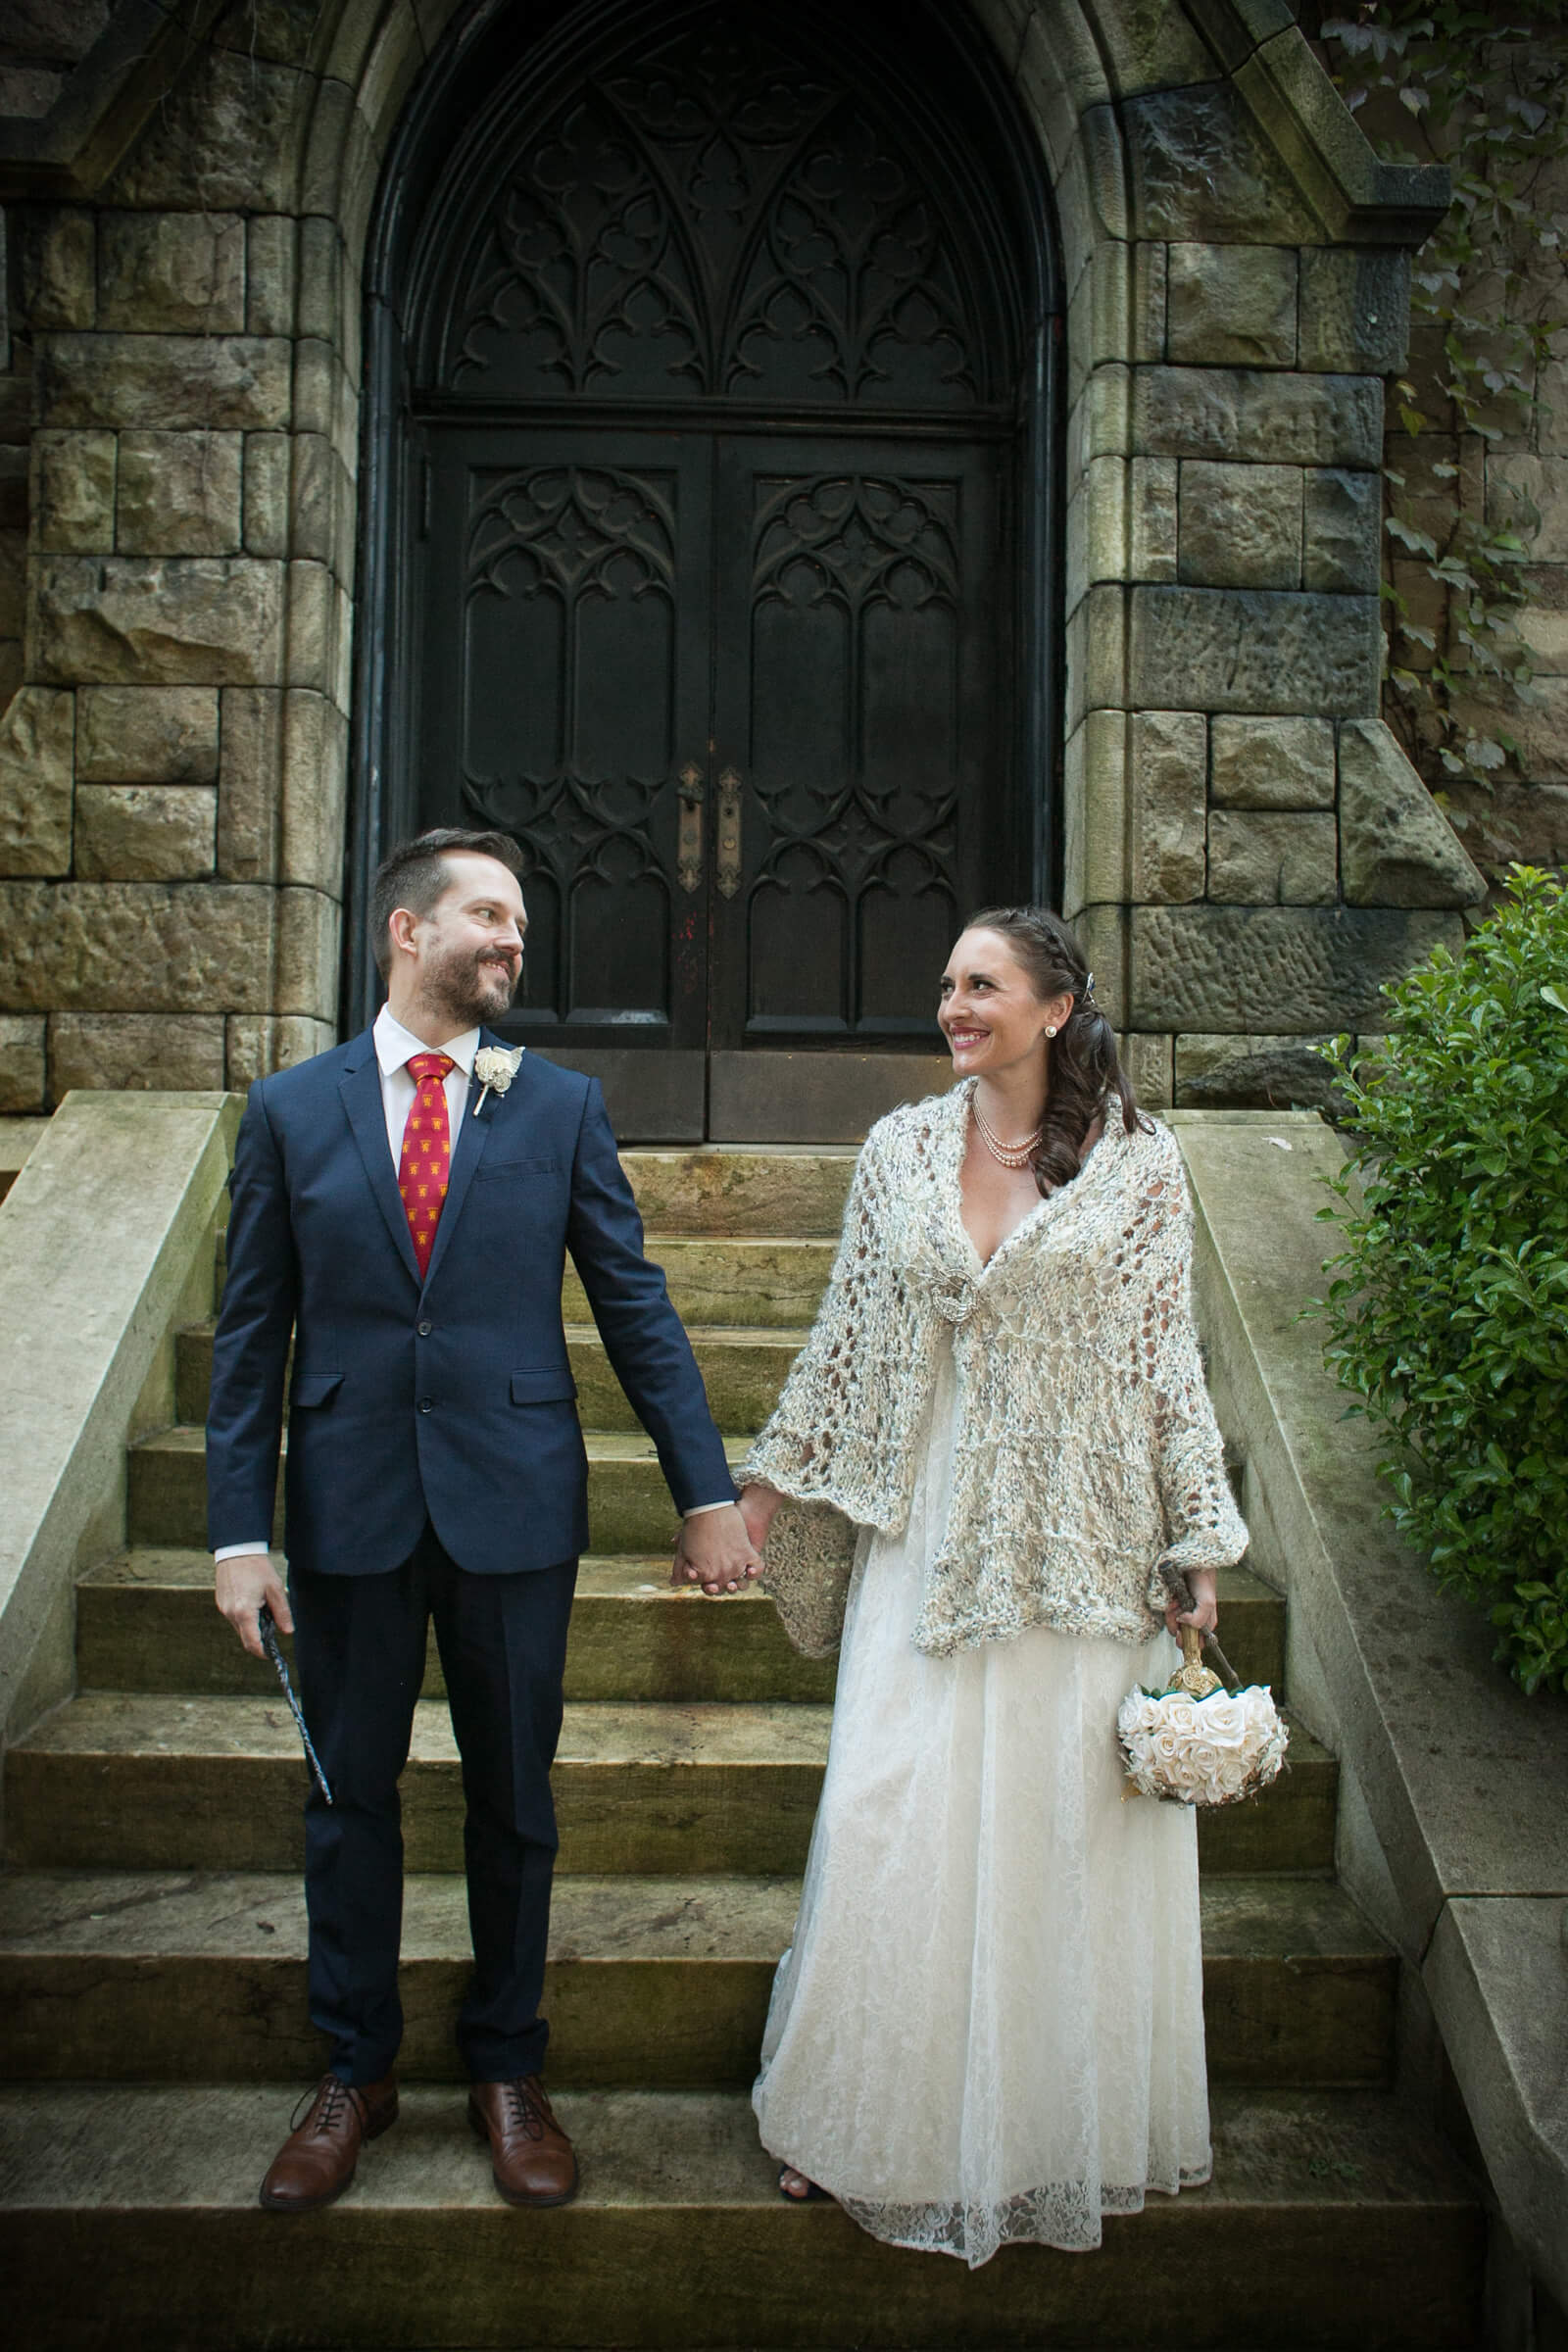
<point x="360" y="1645"/>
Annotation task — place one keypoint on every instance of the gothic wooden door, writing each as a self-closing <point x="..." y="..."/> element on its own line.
<point x="715" y="422"/>
<point x="737" y="697"/>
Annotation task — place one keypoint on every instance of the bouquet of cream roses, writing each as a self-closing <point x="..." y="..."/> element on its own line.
<point x="1196" y="1743"/>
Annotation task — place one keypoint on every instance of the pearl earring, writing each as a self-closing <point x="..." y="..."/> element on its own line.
<point x="1051" y="1028"/>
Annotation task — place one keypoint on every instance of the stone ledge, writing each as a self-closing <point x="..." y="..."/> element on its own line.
<point x="1319" y="142"/>
<point x="116" y="1284"/>
<point x="1495" y="1972"/>
<point x="1462" y="1868"/>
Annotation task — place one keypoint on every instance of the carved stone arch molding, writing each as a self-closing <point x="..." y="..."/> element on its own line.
<point x="815" y="255"/>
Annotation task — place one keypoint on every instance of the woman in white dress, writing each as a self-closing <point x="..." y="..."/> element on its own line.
<point x="988" y="2026"/>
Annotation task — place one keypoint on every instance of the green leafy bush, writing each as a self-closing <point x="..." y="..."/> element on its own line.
<point x="1448" y="1315"/>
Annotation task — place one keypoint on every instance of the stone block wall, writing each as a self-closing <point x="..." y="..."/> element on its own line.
<point x="1246" y="853"/>
<point x="173" y="741"/>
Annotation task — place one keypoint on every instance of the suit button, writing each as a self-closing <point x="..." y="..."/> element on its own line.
<point x="424" y="1404"/>
<point x="425" y="1330"/>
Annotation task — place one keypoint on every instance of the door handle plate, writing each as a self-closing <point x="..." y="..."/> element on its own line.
<point x="689" y="836"/>
<point x="729" y="832"/>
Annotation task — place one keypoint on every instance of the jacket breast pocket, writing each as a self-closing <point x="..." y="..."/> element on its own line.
<point x="552" y="1386"/>
<point x="491" y="1168"/>
<point x="314" y="1387"/>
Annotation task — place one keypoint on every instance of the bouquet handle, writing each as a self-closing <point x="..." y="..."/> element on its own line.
<point x="1180" y="1591"/>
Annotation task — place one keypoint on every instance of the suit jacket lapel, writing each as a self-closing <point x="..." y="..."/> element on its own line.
<point x="360" y="1088"/>
<point x="473" y="1135"/>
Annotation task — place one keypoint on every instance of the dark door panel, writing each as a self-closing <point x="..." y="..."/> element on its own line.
<point x="861" y="665"/>
<point x="565" y="689"/>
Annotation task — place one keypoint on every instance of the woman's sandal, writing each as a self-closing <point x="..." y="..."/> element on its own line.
<point x="809" y="2195"/>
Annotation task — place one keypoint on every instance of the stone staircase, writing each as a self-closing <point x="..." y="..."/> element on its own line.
<point x="151" y="1974"/>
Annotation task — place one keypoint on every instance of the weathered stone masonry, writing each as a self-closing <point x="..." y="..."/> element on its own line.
<point x="1247" y="852"/>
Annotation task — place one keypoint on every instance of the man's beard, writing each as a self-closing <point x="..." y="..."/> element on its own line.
<point x="470" y="988"/>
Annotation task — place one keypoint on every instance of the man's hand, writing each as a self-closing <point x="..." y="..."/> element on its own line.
<point x="244" y="1583"/>
<point x="715" y="1550"/>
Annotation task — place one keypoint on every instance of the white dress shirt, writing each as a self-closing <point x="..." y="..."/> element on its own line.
<point x="395" y="1046"/>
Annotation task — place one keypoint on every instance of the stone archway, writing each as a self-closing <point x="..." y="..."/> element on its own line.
<point x="1243" y="847"/>
<point x="653" y="286"/>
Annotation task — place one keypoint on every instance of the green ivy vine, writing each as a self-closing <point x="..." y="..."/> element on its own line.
<point x="1486" y="94"/>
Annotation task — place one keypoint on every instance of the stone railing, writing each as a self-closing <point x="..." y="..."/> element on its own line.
<point x="105" y="1245"/>
<point x="1453" y="1816"/>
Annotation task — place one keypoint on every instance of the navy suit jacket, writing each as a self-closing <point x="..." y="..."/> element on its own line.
<point x="451" y="1400"/>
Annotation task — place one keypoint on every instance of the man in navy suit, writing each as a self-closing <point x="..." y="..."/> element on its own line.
<point x="410" y="1237"/>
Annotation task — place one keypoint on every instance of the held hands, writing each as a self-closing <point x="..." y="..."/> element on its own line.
<point x="244" y="1583"/>
<point x="1205" y="1614"/>
<point x="721" y="1551"/>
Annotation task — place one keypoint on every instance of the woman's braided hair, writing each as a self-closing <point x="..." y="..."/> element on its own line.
<point x="1083" y="1068"/>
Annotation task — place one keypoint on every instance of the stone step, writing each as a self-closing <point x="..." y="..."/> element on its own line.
<point x="1333" y="2223"/>
<point x="760" y="1283"/>
<point x="145" y="1621"/>
<point x="766" y="1283"/>
<point x="743" y="1189"/>
<point x="118" y="1781"/>
<point x="719" y="1191"/>
<point x="629" y="1508"/>
<point x="742" y="1372"/>
<point x="654" y="1983"/>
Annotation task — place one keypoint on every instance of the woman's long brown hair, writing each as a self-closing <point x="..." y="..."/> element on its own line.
<point x="1084" y="1069"/>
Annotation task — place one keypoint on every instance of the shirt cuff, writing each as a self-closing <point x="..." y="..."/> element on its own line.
<point x="698" y="1509"/>
<point x="233" y="1551"/>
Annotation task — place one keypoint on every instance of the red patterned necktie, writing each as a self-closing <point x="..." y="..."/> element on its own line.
<point x="425" y="1160"/>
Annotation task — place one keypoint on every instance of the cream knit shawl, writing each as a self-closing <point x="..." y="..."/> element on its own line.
<point x="1087" y="1449"/>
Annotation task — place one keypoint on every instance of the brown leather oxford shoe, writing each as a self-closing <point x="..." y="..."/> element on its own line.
<point x="316" y="2161"/>
<point x="531" y="2158"/>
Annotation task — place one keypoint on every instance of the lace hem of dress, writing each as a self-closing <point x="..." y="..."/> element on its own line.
<point x="1065" y="2215"/>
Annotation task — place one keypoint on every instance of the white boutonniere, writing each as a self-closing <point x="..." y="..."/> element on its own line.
<point x="495" y="1068"/>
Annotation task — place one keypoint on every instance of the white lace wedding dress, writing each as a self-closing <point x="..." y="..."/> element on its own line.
<point x="989" y="2024"/>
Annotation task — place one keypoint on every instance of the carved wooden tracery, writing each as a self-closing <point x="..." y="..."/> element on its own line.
<point x="855" y="543"/>
<point x="571" y="542"/>
<point x="714" y="336"/>
<point x="714" y="218"/>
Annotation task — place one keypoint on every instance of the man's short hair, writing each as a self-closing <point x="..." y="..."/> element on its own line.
<point x="414" y="874"/>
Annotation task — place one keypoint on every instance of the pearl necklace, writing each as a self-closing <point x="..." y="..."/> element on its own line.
<point x="1010" y="1156"/>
